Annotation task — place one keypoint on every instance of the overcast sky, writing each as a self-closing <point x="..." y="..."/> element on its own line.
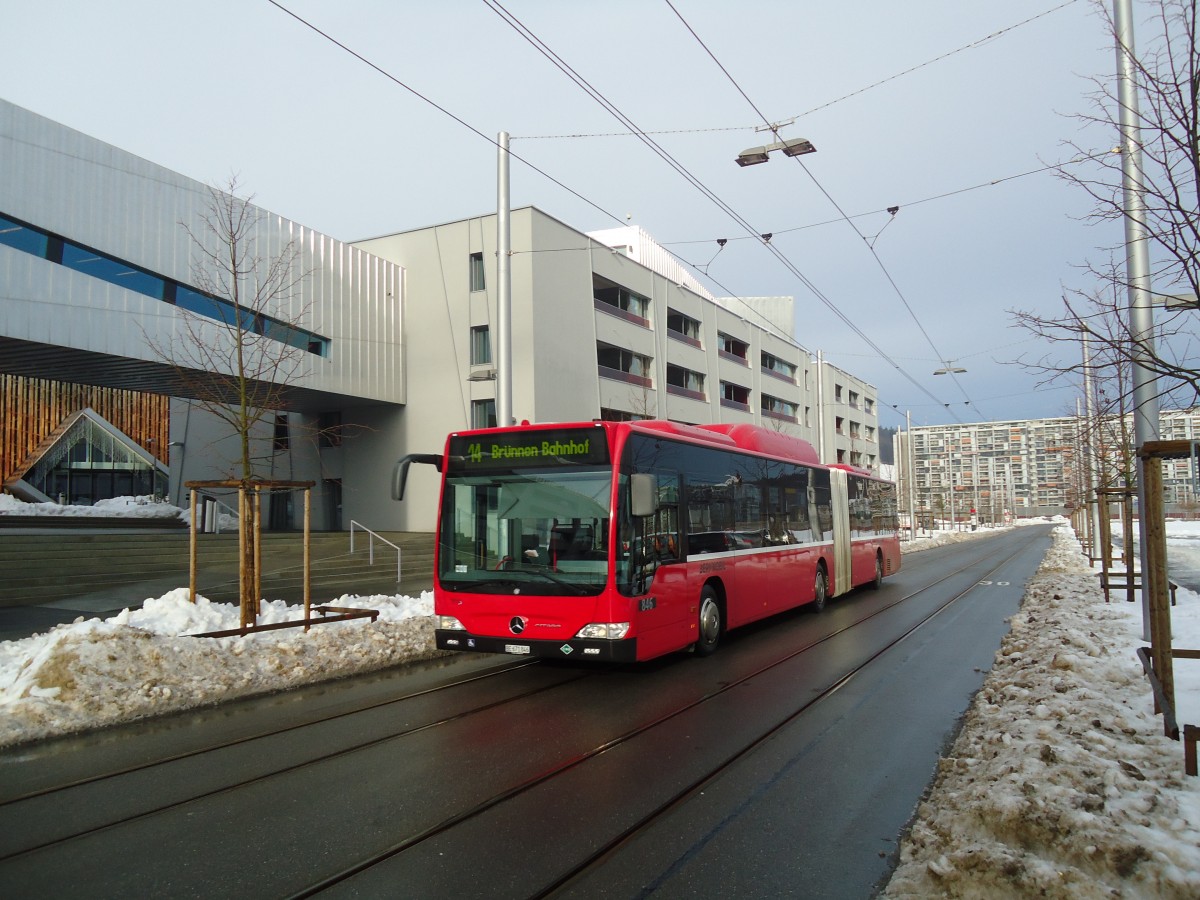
<point x="318" y="135"/>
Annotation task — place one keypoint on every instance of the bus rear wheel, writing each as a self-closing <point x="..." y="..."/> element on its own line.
<point x="820" y="590"/>
<point x="708" y="623"/>
<point x="878" y="582"/>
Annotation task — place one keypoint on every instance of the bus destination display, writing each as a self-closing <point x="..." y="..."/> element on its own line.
<point x="530" y="449"/>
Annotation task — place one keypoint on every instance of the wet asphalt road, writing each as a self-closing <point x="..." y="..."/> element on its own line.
<point x="785" y="765"/>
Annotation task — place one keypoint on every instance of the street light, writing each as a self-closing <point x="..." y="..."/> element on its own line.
<point x="949" y="369"/>
<point x="791" y="147"/>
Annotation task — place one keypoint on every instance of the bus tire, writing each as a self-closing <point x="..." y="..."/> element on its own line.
<point x="708" y="623"/>
<point x="820" y="589"/>
<point x="878" y="582"/>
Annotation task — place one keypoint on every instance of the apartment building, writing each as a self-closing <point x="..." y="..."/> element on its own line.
<point x="993" y="471"/>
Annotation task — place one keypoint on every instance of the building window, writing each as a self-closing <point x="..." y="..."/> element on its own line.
<point x="732" y="348"/>
<point x="622" y="364"/>
<point x="621" y="301"/>
<point x="774" y="408"/>
<point x="773" y="365"/>
<point x="685" y="382"/>
<point x="281" y="440"/>
<point x="481" y="345"/>
<point x="483" y="413"/>
<point x="683" y="327"/>
<point x="477" y="280"/>
<point x="854" y="399"/>
<point x="837" y="393"/>
<point x="618" y="415"/>
<point x="735" y="396"/>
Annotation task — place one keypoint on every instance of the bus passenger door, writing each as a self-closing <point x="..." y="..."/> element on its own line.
<point x="842" y="557"/>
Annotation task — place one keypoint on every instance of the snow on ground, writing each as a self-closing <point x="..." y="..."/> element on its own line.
<point x="135" y="507"/>
<point x="1060" y="784"/>
<point x="141" y="662"/>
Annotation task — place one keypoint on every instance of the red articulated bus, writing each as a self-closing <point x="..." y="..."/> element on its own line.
<point x="623" y="541"/>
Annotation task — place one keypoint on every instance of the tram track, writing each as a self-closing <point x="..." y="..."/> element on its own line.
<point x="62" y="793"/>
<point x="697" y="785"/>
<point x="64" y="788"/>
<point x="700" y="784"/>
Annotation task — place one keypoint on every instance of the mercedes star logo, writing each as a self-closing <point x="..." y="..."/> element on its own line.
<point x="516" y="625"/>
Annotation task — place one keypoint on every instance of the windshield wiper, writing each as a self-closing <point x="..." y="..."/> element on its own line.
<point x="486" y="582"/>
<point x="579" y="589"/>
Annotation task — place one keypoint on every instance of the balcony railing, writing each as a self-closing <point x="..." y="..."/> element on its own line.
<point x="620" y="313"/>
<point x="686" y="392"/>
<point x="780" y="416"/>
<point x="782" y="376"/>
<point x="627" y="377"/>
<point x="686" y="339"/>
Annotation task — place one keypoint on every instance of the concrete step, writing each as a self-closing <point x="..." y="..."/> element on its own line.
<point x="92" y="567"/>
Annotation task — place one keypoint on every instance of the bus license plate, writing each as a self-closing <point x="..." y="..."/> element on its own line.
<point x="516" y="648"/>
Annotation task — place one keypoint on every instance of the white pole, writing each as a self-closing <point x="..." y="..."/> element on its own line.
<point x="912" y="502"/>
<point x="822" y="416"/>
<point x="504" y="412"/>
<point x="1137" y="270"/>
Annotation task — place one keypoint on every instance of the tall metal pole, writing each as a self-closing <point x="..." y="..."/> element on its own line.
<point x="822" y="417"/>
<point x="912" y="505"/>
<point x="504" y="411"/>
<point x="1137" y="271"/>
<point x="1090" y="448"/>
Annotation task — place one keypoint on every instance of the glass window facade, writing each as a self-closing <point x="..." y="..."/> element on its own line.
<point x="107" y="268"/>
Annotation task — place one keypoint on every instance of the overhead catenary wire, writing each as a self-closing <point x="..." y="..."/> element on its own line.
<point x="491" y="140"/>
<point x="866" y="242"/>
<point x="611" y="108"/>
<point x="1053" y="167"/>
<point x="987" y="39"/>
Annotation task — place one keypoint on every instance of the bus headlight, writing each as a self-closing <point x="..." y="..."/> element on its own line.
<point x="449" y="623"/>
<point x="605" y="631"/>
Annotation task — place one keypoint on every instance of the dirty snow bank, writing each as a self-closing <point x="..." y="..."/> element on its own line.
<point x="140" y="663"/>
<point x="1061" y="783"/>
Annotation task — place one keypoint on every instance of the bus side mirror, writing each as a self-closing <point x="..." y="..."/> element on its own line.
<point x="642" y="490"/>
<point x="400" y="473"/>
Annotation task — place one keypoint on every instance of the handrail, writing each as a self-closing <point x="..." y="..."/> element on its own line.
<point x="371" y="545"/>
<point x="218" y="505"/>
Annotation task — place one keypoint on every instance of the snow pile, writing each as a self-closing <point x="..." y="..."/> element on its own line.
<point x="1061" y="783"/>
<point x="134" y="507"/>
<point x="142" y="663"/>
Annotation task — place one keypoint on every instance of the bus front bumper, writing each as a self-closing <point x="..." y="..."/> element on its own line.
<point x="609" y="651"/>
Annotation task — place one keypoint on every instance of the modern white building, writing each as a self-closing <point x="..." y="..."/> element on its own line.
<point x="394" y="335"/>
<point x="609" y="325"/>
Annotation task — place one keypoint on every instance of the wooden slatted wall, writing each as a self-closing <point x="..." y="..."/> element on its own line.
<point x="31" y="408"/>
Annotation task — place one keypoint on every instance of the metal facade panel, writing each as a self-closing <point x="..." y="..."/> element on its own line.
<point x="96" y="195"/>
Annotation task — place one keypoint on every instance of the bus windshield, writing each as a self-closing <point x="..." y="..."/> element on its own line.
<point x="536" y="531"/>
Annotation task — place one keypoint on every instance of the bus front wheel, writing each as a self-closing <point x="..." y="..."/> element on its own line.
<point x="708" y="624"/>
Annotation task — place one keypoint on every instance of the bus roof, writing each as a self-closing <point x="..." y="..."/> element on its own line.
<point x="742" y="436"/>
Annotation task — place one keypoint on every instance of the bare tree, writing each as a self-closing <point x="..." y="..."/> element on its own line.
<point x="239" y="346"/>
<point x="1168" y="74"/>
